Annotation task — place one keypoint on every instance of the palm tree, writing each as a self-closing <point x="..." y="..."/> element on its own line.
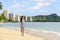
<point x="0" y="10"/>
<point x="0" y="6"/>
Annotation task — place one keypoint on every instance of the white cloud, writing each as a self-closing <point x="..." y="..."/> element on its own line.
<point x="38" y="4"/>
<point x="25" y="2"/>
<point x="58" y="8"/>
<point x="18" y="5"/>
<point x="43" y="11"/>
<point x="42" y="3"/>
<point x="43" y="0"/>
<point x="15" y="5"/>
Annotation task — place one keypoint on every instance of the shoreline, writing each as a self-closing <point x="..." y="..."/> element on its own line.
<point x="47" y="35"/>
<point x="12" y="34"/>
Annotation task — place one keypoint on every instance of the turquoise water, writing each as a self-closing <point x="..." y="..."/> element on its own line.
<point x="47" y="26"/>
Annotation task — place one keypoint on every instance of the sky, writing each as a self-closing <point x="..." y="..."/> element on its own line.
<point x="31" y="7"/>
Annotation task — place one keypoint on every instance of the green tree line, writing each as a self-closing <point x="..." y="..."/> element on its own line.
<point x="46" y="18"/>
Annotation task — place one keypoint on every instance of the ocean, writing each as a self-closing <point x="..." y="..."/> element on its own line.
<point x="47" y="26"/>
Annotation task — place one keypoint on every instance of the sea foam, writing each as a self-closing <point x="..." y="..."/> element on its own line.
<point x="47" y="35"/>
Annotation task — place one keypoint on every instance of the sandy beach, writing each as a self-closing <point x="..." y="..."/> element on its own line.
<point x="9" y="34"/>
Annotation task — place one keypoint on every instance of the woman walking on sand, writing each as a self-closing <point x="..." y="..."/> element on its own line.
<point x="22" y="25"/>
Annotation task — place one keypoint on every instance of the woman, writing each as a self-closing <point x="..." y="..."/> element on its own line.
<point x="22" y="25"/>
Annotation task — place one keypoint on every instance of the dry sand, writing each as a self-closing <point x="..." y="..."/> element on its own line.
<point x="9" y="34"/>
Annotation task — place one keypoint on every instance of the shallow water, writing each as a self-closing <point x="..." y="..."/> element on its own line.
<point x="47" y="26"/>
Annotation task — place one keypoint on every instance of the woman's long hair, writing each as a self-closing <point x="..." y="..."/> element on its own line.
<point x="21" y="19"/>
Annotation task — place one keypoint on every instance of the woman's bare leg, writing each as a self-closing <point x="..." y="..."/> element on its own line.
<point x="22" y="31"/>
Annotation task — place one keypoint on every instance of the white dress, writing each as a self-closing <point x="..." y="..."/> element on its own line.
<point x="22" y="24"/>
